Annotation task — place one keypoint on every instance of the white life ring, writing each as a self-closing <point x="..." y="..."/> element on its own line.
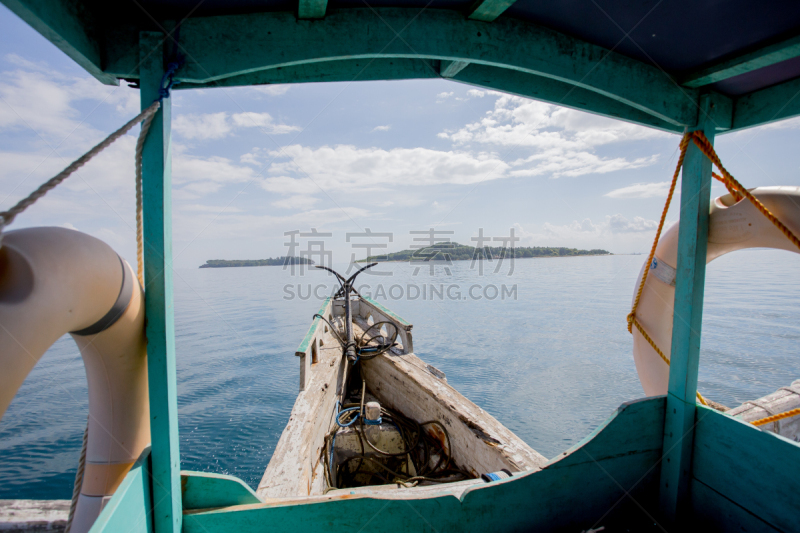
<point x="732" y="226"/>
<point x="55" y="281"/>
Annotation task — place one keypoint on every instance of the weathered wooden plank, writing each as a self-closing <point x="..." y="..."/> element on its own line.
<point x="767" y="105"/>
<point x="311" y="9"/>
<point x="309" y="347"/>
<point x="585" y="488"/>
<point x="686" y="324"/>
<point x="500" y="79"/>
<point x="368" y="307"/>
<point x="157" y="214"/>
<point x="130" y="508"/>
<point x="744" y="63"/>
<point x="214" y="45"/>
<point x="332" y="71"/>
<point x="448" y="69"/>
<point x="70" y="25"/>
<point x="780" y="401"/>
<point x="295" y="462"/>
<point x="479" y="443"/>
<point x="306" y="342"/>
<point x="33" y="515"/>
<point x="204" y="490"/>
<point x="488" y="10"/>
<point x="391" y="314"/>
<point x="755" y="470"/>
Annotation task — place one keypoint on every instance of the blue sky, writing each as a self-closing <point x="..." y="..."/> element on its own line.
<point x="253" y="163"/>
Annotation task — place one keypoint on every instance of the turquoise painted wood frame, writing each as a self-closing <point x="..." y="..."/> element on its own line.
<point x="665" y="474"/>
<point x="484" y="48"/>
<point x="157" y="217"/>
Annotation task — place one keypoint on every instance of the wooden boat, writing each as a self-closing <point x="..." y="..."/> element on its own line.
<point x="474" y="443"/>
<point x="663" y="459"/>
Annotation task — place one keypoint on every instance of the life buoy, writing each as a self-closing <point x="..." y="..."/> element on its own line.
<point x="55" y="281"/>
<point x="732" y="226"/>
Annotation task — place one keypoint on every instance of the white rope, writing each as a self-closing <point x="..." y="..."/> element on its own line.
<point x="76" y="490"/>
<point x="139" y="227"/>
<point x="7" y="217"/>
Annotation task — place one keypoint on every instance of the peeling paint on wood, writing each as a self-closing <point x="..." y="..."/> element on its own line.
<point x="33" y="515"/>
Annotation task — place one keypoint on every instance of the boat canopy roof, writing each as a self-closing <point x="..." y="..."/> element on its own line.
<point x="646" y="62"/>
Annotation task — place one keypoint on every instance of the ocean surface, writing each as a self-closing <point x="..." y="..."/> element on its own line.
<point x="550" y="364"/>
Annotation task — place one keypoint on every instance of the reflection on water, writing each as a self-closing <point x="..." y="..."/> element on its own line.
<point x="551" y="365"/>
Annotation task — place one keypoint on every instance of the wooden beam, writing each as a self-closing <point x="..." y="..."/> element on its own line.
<point x="449" y="69"/>
<point x="331" y="71"/>
<point x="157" y="213"/>
<point x="312" y="9"/>
<point x="676" y="464"/>
<point x="67" y="25"/>
<point x="509" y="81"/>
<point x="767" y="105"/>
<point x="742" y="64"/>
<point x="214" y="50"/>
<point x="559" y="93"/>
<point x="488" y="10"/>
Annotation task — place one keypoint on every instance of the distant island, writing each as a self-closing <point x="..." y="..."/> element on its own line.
<point x="278" y="261"/>
<point x="452" y="251"/>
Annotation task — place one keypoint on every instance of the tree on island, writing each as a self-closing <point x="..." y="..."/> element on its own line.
<point x="452" y="251"/>
<point x="278" y="261"/>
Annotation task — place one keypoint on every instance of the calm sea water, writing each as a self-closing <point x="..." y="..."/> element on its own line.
<point x="550" y="365"/>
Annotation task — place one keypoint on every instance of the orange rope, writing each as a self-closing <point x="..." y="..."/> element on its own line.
<point x="775" y="418"/>
<point x="738" y="192"/>
<point x="704" y="144"/>
<point x="632" y="315"/>
<point x="735" y="193"/>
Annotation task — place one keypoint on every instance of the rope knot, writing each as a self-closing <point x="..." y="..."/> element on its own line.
<point x="168" y="80"/>
<point x="630" y="322"/>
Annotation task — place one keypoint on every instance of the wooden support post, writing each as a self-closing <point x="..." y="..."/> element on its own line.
<point x="156" y="190"/>
<point x="676" y="464"/>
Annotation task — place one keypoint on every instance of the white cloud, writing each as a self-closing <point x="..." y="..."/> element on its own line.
<point x="475" y="93"/>
<point x="351" y="168"/>
<point x="203" y="127"/>
<point x="272" y="90"/>
<point x="299" y="201"/>
<point x="287" y="185"/>
<point x="382" y="128"/>
<point x="263" y="121"/>
<point x="201" y="208"/>
<point x="563" y="141"/>
<point x="206" y="175"/>
<point x="586" y="232"/>
<point x="641" y="190"/>
<point x="570" y="164"/>
<point x="444" y="95"/>
<point x="620" y="224"/>
<point x="208" y="126"/>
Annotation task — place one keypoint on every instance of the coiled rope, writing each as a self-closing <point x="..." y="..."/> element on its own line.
<point x="738" y="192"/>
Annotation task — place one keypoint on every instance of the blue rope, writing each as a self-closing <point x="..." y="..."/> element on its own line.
<point x="168" y="80"/>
